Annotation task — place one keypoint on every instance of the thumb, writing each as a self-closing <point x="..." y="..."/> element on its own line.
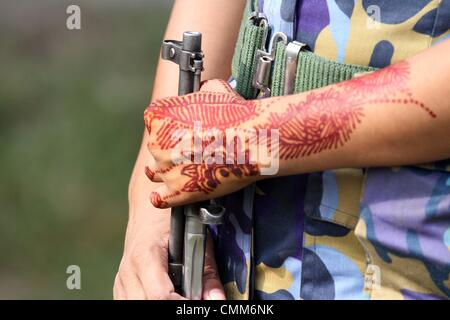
<point x="212" y="287"/>
<point x="162" y="197"/>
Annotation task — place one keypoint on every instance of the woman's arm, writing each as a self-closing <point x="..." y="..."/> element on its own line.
<point x="397" y="116"/>
<point x="143" y="269"/>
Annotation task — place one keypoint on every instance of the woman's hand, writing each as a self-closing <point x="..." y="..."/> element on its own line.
<point x="143" y="273"/>
<point x="363" y="122"/>
<point x="200" y="144"/>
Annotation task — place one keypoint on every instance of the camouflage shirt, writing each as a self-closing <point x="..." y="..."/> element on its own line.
<point x="375" y="233"/>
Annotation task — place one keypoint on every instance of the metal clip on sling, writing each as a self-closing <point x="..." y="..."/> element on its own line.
<point x="261" y="20"/>
<point x="292" y="52"/>
<point x="187" y="241"/>
<point x="263" y="66"/>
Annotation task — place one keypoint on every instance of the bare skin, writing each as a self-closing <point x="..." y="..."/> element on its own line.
<point x="362" y="122"/>
<point x="142" y="272"/>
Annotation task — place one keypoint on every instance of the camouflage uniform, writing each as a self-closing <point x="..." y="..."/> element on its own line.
<point x="376" y="233"/>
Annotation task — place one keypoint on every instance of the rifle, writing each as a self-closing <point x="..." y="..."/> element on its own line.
<point x="187" y="241"/>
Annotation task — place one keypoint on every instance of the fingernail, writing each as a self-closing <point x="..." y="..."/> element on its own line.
<point x="157" y="202"/>
<point x="216" y="294"/>
<point x="149" y="173"/>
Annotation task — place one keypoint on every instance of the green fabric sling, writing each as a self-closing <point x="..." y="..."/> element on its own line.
<point x="278" y="70"/>
<point x="313" y="71"/>
<point x="252" y="36"/>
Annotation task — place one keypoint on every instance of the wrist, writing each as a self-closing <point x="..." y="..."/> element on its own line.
<point x="145" y="226"/>
<point x="266" y="146"/>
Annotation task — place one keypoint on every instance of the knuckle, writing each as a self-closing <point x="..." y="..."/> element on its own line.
<point x="138" y="257"/>
<point x="159" y="290"/>
<point x="116" y="285"/>
<point x="147" y="254"/>
<point x="124" y="265"/>
<point x="126" y="273"/>
<point x="126" y="270"/>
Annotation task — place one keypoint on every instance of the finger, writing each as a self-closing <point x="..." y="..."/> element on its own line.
<point x="155" y="172"/>
<point x="213" y="289"/>
<point x="162" y="197"/>
<point x="212" y="286"/>
<point x="132" y="287"/>
<point x="176" y="296"/>
<point x="153" y="175"/>
<point x="218" y="85"/>
<point x="118" y="290"/>
<point x="152" y="272"/>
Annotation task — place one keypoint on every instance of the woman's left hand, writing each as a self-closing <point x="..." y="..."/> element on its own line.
<point x="191" y="154"/>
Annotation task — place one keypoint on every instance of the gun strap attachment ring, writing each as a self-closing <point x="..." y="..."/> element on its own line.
<point x="290" y="69"/>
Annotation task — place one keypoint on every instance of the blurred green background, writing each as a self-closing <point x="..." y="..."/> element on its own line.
<point x="71" y="104"/>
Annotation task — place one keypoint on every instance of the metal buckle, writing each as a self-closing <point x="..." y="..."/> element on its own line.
<point x="259" y="16"/>
<point x="292" y="51"/>
<point x="261" y="77"/>
<point x="263" y="66"/>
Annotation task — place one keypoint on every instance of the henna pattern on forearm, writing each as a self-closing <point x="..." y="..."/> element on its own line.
<point x="385" y="82"/>
<point x="390" y="84"/>
<point x="326" y="119"/>
<point x="323" y="120"/>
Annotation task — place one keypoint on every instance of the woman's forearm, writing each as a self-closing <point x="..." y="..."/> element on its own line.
<point x="219" y="22"/>
<point x="397" y="116"/>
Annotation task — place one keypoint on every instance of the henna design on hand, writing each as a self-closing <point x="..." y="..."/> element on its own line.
<point x="151" y="173"/>
<point x="160" y="202"/>
<point x="216" y="110"/>
<point x="212" y="110"/>
<point x="206" y="178"/>
<point x="157" y="201"/>
<point x="323" y="120"/>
